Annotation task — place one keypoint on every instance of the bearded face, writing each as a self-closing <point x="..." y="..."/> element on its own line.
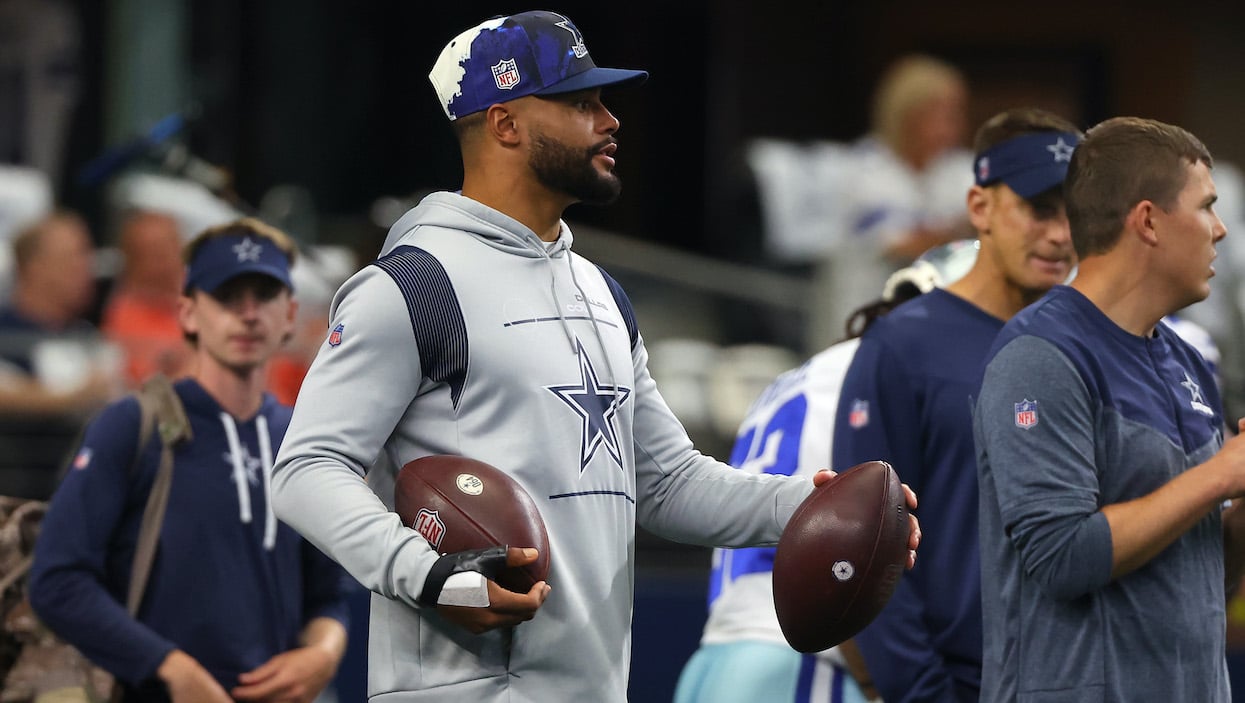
<point x="566" y="169"/>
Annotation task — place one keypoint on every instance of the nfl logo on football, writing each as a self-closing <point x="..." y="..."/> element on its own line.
<point x="428" y="524"/>
<point x="506" y="74"/>
<point x="1026" y="414"/>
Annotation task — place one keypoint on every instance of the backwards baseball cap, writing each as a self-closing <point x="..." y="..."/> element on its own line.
<point x="1028" y="164"/>
<point x="222" y="258"/>
<point x="504" y="58"/>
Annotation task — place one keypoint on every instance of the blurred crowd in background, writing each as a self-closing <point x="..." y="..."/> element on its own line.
<point x="81" y="323"/>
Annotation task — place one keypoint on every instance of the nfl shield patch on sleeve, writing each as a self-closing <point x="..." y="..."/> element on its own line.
<point x="858" y="417"/>
<point x="1027" y="414"/>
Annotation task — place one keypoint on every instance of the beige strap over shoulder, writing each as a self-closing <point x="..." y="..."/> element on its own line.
<point x="161" y="411"/>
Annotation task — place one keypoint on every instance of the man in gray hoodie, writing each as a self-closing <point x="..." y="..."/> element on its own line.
<point x="480" y="333"/>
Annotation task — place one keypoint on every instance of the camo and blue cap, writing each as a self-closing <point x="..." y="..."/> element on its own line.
<point x="504" y="58"/>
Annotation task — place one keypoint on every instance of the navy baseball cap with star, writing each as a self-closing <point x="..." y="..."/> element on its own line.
<point x="1029" y="164"/>
<point x="509" y="57"/>
<point x="220" y="259"/>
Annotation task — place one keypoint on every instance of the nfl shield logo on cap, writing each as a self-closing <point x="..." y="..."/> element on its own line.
<point x="1026" y="414"/>
<point x="506" y="74"/>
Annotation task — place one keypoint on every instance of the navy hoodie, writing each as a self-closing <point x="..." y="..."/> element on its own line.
<point x="230" y="586"/>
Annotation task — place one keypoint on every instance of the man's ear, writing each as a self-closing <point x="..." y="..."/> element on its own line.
<point x="1141" y="222"/>
<point x="502" y="124"/>
<point x="291" y="320"/>
<point x="186" y="313"/>
<point x="980" y="202"/>
<point x="291" y="315"/>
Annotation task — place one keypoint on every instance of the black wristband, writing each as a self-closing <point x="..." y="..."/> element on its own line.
<point x="483" y="561"/>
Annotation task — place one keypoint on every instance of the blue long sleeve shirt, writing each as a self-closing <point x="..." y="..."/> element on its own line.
<point x="215" y="591"/>
<point x="1075" y="414"/>
<point x="906" y="400"/>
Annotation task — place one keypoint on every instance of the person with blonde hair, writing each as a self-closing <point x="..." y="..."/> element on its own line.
<point x="905" y="194"/>
<point x="918" y="109"/>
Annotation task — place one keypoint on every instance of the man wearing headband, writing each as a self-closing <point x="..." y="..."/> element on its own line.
<point x="906" y="400"/>
<point x="480" y="333"/>
<point x="237" y="605"/>
<point x="1104" y="474"/>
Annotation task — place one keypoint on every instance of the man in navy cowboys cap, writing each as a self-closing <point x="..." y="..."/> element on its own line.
<point x="480" y="333"/>
<point x="905" y="400"/>
<point x="237" y="605"/>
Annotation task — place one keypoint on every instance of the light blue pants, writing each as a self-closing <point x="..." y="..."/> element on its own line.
<point x="748" y="672"/>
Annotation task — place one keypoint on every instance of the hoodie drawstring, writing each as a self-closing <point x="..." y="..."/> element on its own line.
<point x="265" y="456"/>
<point x="240" y="477"/>
<point x="562" y="246"/>
<point x="557" y="302"/>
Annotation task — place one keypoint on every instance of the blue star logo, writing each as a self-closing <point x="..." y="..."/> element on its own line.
<point x="247" y="250"/>
<point x="597" y="406"/>
<point x="1062" y="151"/>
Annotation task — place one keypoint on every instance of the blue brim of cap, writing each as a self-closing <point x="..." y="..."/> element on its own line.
<point x="1036" y="181"/>
<point x="209" y="284"/>
<point x="596" y="77"/>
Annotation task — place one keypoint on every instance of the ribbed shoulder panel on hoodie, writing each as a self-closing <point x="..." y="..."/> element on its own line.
<point x="436" y="316"/>
<point x="624" y="305"/>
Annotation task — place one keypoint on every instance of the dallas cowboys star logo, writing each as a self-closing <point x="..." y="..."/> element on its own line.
<point x="578" y="39"/>
<point x="250" y="464"/>
<point x="247" y="250"/>
<point x="1196" y="401"/>
<point x="597" y="406"/>
<point x="1062" y="151"/>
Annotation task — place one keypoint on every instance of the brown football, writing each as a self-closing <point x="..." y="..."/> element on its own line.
<point x="458" y="504"/>
<point x="841" y="556"/>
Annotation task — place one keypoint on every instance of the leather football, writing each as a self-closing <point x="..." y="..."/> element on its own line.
<point x="841" y="556"/>
<point x="458" y="504"/>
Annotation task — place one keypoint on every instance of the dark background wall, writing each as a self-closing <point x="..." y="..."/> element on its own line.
<point x="334" y="96"/>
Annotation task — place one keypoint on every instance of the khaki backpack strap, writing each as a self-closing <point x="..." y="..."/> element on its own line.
<point x="16" y="573"/>
<point x="26" y="511"/>
<point x="162" y="409"/>
<point x="856" y="665"/>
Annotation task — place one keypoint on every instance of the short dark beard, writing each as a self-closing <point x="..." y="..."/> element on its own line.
<point x="570" y="171"/>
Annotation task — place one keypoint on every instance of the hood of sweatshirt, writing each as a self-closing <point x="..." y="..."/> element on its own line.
<point x="456" y="212"/>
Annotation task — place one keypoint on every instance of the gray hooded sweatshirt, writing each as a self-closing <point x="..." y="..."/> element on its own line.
<point x="471" y="336"/>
